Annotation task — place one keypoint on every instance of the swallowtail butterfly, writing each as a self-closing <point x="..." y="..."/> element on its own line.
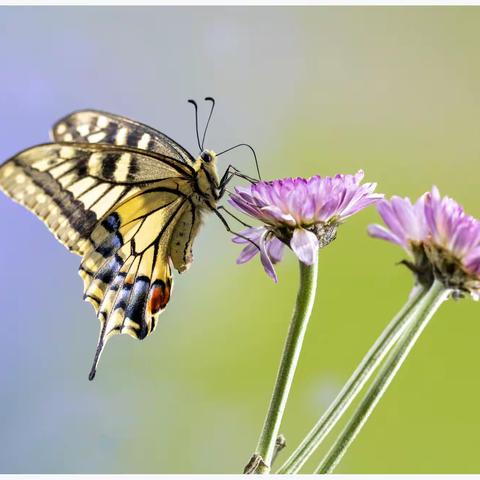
<point x="126" y="198"/>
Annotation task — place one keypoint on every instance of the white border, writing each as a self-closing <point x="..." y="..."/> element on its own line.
<point x="230" y="3"/>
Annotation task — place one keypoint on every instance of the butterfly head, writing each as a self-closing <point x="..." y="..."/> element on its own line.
<point x="207" y="162"/>
<point x="207" y="175"/>
<point x="208" y="156"/>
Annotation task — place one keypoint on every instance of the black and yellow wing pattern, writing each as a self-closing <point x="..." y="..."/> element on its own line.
<point x="95" y="126"/>
<point x="125" y="209"/>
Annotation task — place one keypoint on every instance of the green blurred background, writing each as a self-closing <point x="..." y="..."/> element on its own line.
<point x="392" y="90"/>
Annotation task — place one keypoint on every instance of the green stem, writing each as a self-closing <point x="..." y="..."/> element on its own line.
<point x="291" y="352"/>
<point x="360" y="376"/>
<point x="423" y="313"/>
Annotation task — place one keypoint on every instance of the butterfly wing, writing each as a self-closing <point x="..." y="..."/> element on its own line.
<point x="93" y="126"/>
<point x="183" y="236"/>
<point x="71" y="186"/>
<point x="119" y="208"/>
<point x="127" y="273"/>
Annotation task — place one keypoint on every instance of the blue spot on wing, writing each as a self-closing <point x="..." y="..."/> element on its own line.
<point x="123" y="296"/>
<point x="118" y="281"/>
<point x="112" y="222"/>
<point x="137" y="305"/>
<point x="110" y="245"/>
<point x="108" y="272"/>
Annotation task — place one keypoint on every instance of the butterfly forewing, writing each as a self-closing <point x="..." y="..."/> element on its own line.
<point x="71" y="186"/>
<point x="94" y="126"/>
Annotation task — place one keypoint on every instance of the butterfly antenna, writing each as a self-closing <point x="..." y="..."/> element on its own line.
<point x="208" y="99"/>
<point x="194" y="103"/>
<point x="252" y="150"/>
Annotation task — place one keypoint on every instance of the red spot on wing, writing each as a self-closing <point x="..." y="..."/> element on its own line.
<point x="159" y="297"/>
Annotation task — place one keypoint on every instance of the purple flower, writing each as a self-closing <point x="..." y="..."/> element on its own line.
<point x="454" y="248"/>
<point x="301" y="213"/>
<point x="440" y="237"/>
<point x="406" y="223"/>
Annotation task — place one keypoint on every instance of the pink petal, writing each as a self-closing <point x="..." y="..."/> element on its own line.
<point x="275" y="249"/>
<point x="242" y="205"/>
<point x="275" y="212"/>
<point x="252" y="233"/>
<point x="305" y="245"/>
<point x="265" y="259"/>
<point x="247" y="254"/>
<point x="377" y="231"/>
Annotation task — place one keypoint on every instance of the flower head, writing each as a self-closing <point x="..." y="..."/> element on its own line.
<point x="441" y="238"/>
<point x="454" y="248"/>
<point x="301" y="213"/>
<point x="407" y="227"/>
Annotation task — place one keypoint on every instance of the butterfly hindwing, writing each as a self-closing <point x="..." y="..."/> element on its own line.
<point x="183" y="235"/>
<point x="95" y="126"/>
<point x="127" y="273"/>
<point x="71" y="186"/>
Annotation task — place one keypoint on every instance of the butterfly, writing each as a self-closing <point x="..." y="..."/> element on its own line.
<point x="129" y="200"/>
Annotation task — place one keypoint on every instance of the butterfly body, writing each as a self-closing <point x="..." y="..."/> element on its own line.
<point x="125" y="197"/>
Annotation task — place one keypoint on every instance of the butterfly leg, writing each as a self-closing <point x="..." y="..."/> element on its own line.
<point x="234" y="216"/>
<point x="229" y="230"/>
<point x="237" y="173"/>
<point x="231" y="172"/>
<point x="224" y="181"/>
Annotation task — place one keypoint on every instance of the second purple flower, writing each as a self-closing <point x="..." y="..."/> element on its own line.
<point x="441" y="239"/>
<point x="302" y="213"/>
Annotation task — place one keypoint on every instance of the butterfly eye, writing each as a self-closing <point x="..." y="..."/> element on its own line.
<point x="206" y="157"/>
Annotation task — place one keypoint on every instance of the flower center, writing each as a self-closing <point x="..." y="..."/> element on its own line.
<point x="325" y="232"/>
